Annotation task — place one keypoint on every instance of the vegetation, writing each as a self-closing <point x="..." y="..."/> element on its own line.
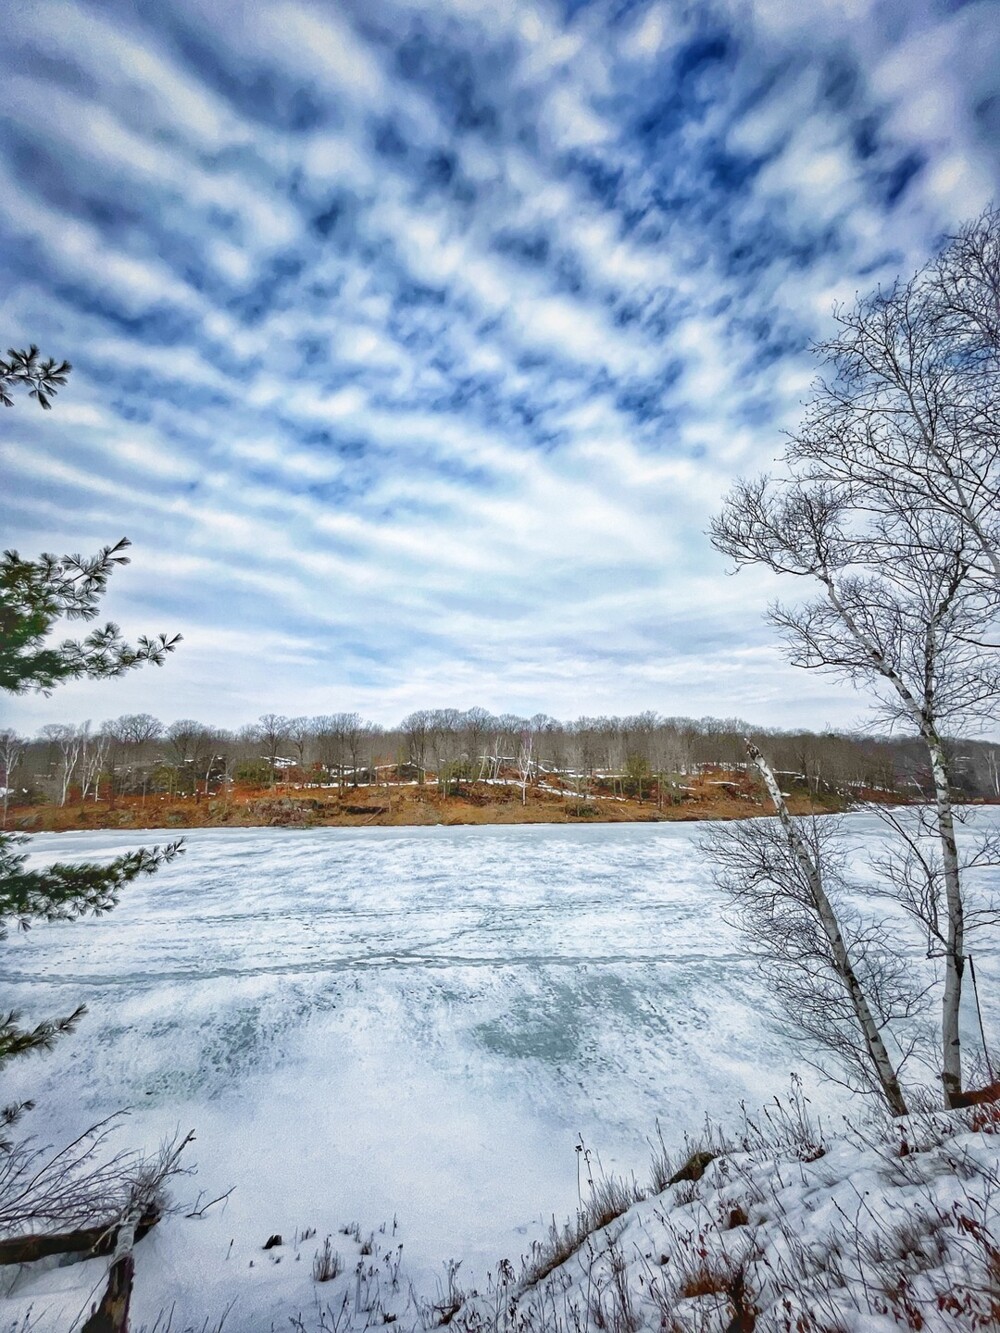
<point x="39" y="1187"/>
<point x="888" y="512"/>
<point x="25" y="370"/>
<point x="34" y="597"/>
<point x="36" y="594"/>
<point x="647" y="759"/>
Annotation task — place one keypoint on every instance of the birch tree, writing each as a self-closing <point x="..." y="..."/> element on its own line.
<point x="92" y="760"/>
<point x="11" y="749"/>
<point x="900" y="610"/>
<point x="839" y="981"/>
<point x="68" y="739"/>
<point x="525" y="762"/>
<point x="895" y="485"/>
<point x="889" y="508"/>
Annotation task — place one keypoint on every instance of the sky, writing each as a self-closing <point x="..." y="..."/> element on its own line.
<point x="415" y="344"/>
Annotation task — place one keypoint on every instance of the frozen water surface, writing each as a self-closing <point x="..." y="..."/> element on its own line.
<point x="363" y="1024"/>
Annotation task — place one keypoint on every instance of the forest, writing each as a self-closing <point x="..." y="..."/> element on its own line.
<point x="135" y="754"/>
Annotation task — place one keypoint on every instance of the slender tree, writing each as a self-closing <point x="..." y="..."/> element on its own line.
<point x="889" y="509"/>
<point x="274" y="733"/>
<point x="11" y="749"/>
<point x="69" y="740"/>
<point x="838" y="980"/>
<point x="300" y="735"/>
<point x="908" y="408"/>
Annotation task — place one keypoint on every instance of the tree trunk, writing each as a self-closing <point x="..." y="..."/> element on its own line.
<point x="111" y="1316"/>
<point x="877" y="1053"/>
<point x="94" y="1242"/>
<point x="954" y="954"/>
<point x="951" y="1042"/>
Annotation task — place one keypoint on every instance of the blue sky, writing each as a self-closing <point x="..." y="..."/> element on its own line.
<point x="416" y="343"/>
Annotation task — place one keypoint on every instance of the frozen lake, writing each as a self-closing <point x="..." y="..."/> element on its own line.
<point x="363" y="1024"/>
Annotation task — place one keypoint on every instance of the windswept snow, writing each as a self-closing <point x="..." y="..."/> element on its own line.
<point x="390" y="1026"/>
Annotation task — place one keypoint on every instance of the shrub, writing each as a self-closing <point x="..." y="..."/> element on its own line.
<point x="327" y="1263"/>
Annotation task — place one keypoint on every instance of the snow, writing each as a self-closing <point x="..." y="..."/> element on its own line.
<point x="862" y="1231"/>
<point x="409" y="1026"/>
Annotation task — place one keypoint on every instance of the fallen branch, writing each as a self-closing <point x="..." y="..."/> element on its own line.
<point x="111" y="1314"/>
<point x="95" y="1242"/>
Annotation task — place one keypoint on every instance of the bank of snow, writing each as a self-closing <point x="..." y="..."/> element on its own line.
<point x="783" y="1228"/>
<point x="887" y="1227"/>
<point x="884" y="1227"/>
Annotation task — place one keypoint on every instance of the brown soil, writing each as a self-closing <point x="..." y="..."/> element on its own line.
<point x="474" y="803"/>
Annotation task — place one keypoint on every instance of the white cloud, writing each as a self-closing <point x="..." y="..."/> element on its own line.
<point x="408" y="452"/>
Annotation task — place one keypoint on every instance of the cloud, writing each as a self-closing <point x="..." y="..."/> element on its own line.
<point x="415" y="344"/>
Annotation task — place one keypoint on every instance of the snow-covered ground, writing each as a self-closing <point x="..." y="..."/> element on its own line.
<point x="407" y="1028"/>
<point x="789" y="1229"/>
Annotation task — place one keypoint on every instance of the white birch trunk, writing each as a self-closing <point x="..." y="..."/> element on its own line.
<point x="812" y="874"/>
<point x="70" y="754"/>
<point x="951" y="1041"/>
<point x="954" y="956"/>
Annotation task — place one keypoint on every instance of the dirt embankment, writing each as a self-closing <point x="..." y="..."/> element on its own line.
<point x="715" y="797"/>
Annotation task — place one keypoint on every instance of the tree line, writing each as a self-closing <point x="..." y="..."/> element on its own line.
<point x="136" y="753"/>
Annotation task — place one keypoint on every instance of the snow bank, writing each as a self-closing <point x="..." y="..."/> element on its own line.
<point x="887" y="1227"/>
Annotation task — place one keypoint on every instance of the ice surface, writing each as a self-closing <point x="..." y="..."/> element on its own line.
<point x="368" y="1023"/>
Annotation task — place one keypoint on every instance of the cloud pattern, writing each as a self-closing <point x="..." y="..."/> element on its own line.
<point x="415" y="343"/>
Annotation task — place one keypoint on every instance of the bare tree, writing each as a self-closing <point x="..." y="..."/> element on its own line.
<point x="890" y="508"/>
<point x="912" y="871"/>
<point x="444" y="736"/>
<point x="127" y="735"/>
<point x="79" y="1199"/>
<point x="191" y="745"/>
<point x="900" y="612"/>
<point x="415" y="728"/>
<point x="273" y="732"/>
<point x="339" y="735"/>
<point x="525" y="762"/>
<point x="69" y="741"/>
<point x="837" y="978"/>
<point x="11" y="749"/>
<point x="356" y="734"/>
<point x="909" y="408"/>
<point x="146" y="1199"/>
<point x="188" y="742"/>
<point x="475" y="728"/>
<point x="92" y="760"/>
<point x="300" y="737"/>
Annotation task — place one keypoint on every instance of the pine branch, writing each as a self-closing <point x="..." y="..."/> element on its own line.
<point x="64" y="892"/>
<point x="24" y="369"/>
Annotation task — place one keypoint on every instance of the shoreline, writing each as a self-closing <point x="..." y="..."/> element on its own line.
<point x="417" y="806"/>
